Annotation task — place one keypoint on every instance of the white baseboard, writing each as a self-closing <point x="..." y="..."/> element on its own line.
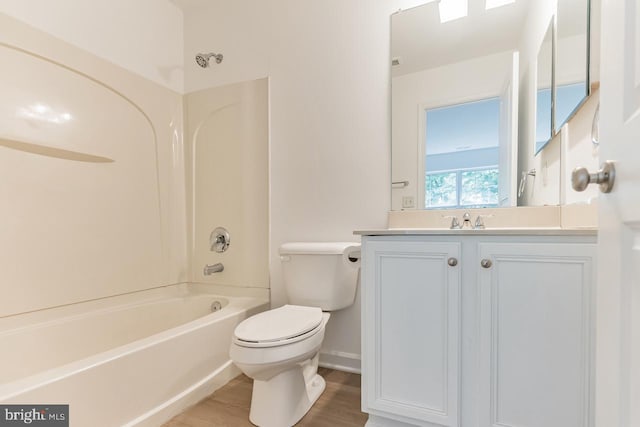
<point x="340" y="361"/>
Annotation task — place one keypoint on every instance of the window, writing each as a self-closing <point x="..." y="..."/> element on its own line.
<point x="462" y="147"/>
<point x="461" y="189"/>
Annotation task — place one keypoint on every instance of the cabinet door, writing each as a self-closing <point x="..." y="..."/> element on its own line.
<point x="411" y="322"/>
<point x="536" y="334"/>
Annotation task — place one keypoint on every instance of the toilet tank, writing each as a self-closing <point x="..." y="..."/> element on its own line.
<point x="321" y="274"/>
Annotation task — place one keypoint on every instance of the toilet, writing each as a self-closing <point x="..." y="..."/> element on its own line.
<point x="279" y="348"/>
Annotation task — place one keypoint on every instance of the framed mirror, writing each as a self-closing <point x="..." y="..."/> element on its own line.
<point x="572" y="80"/>
<point x="544" y="93"/>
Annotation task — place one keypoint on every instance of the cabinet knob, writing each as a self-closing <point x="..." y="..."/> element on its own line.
<point x="452" y="262"/>
<point x="486" y="263"/>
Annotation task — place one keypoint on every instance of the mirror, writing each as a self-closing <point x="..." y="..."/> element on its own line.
<point x="544" y="94"/>
<point x="456" y="96"/>
<point x="571" y="60"/>
<point x="455" y="106"/>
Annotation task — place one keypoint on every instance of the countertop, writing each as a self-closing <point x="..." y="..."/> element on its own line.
<point x="485" y="232"/>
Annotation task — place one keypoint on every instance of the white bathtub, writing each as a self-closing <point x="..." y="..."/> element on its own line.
<point x="135" y="359"/>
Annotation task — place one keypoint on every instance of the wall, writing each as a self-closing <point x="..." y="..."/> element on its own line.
<point x="451" y="84"/>
<point x="571" y="147"/>
<point x="143" y="36"/>
<point x="238" y="29"/>
<point x="578" y="151"/>
<point x="227" y="152"/>
<point x="328" y="71"/>
<point x="92" y="176"/>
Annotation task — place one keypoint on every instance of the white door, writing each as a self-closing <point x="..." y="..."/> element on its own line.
<point x="508" y="153"/>
<point x="618" y="290"/>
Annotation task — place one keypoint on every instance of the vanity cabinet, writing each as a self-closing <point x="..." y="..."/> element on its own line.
<point x="412" y="309"/>
<point x="478" y="330"/>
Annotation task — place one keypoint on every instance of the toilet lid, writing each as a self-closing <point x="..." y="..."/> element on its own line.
<point x="279" y="324"/>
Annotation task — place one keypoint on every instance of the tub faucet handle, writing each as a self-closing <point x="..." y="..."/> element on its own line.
<point x="219" y="240"/>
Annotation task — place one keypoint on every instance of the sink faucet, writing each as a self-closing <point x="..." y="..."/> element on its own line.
<point x="209" y="269"/>
<point x="466" y="220"/>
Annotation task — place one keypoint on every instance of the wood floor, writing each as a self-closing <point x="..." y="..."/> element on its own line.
<point x="339" y="405"/>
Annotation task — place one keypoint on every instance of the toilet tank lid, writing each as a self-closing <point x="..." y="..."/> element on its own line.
<point x="314" y="248"/>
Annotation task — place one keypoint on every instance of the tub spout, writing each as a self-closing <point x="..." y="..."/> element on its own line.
<point x="209" y="269"/>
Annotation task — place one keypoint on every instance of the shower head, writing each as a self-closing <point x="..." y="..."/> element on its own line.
<point x="203" y="59"/>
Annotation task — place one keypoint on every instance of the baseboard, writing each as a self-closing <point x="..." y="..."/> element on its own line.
<point x="340" y="361"/>
<point x="188" y="397"/>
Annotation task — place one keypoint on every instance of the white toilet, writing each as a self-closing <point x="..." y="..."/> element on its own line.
<point x="279" y="348"/>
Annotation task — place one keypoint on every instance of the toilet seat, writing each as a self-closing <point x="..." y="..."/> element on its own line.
<point x="280" y="326"/>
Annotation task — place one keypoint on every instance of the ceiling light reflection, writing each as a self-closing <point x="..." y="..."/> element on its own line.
<point x="44" y="113"/>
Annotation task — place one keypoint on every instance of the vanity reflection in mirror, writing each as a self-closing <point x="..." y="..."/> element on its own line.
<point x="544" y="93"/>
<point x="456" y="99"/>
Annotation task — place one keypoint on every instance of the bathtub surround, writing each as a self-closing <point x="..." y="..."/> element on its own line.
<point x="227" y="152"/>
<point x="76" y="229"/>
<point x="95" y="225"/>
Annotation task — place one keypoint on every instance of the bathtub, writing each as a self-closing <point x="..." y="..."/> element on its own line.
<point x="134" y="360"/>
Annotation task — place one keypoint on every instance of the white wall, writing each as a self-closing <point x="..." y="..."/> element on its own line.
<point x="237" y="29"/>
<point x="464" y="81"/>
<point x="143" y="36"/>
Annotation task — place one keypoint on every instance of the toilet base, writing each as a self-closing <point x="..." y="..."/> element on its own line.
<point x="284" y="399"/>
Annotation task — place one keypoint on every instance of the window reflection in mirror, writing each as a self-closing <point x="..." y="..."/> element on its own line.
<point x="462" y="155"/>
<point x="572" y="59"/>
<point x="544" y="95"/>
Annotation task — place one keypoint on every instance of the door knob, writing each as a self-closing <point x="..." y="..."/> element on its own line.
<point x="452" y="262"/>
<point x="581" y="178"/>
<point x="486" y="263"/>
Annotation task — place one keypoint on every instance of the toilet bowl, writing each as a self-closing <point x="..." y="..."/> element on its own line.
<point x="279" y="348"/>
<point x="283" y="362"/>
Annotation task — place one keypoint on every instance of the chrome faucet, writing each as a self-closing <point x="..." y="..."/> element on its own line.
<point x="466" y="220"/>
<point x="209" y="269"/>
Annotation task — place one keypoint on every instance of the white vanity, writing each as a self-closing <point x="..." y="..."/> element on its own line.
<point x="478" y="328"/>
